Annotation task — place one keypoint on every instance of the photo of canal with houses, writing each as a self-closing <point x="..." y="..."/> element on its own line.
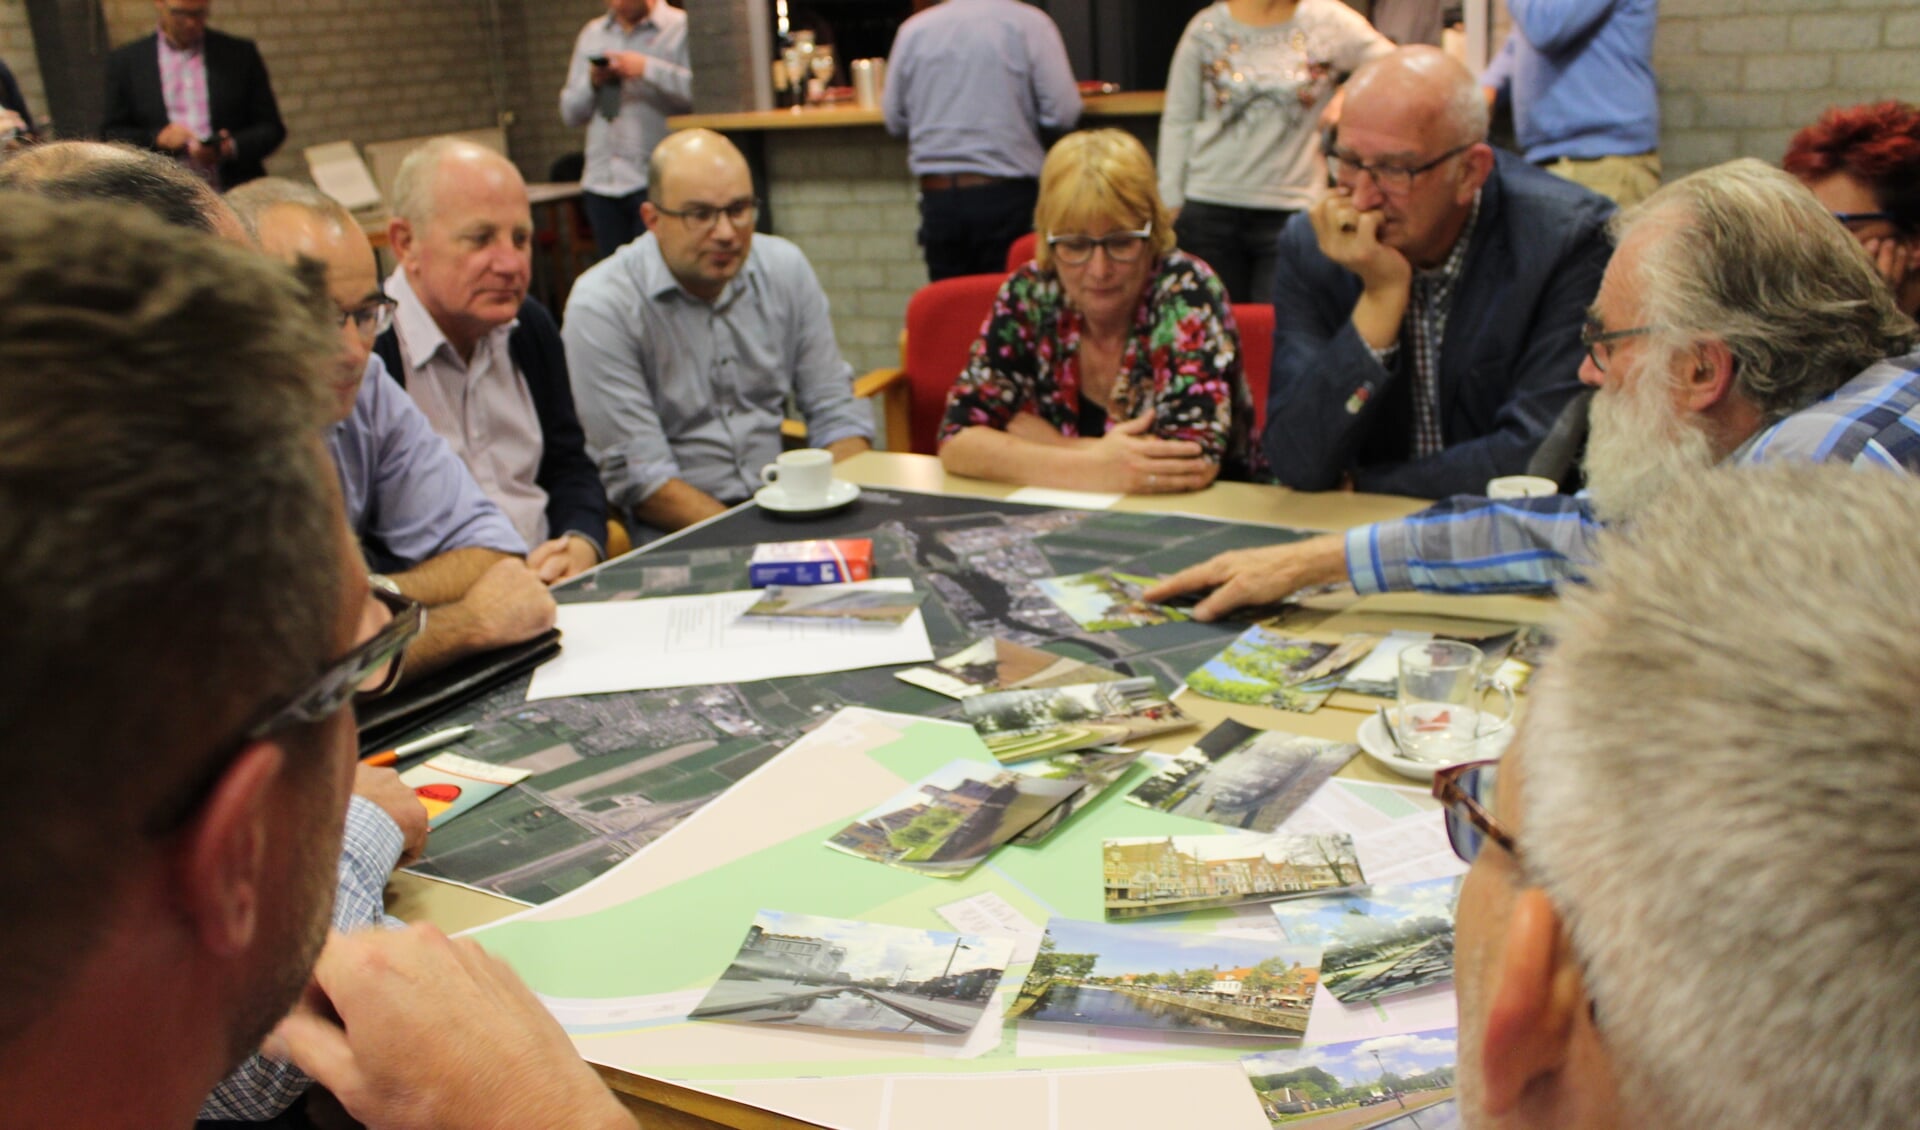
<point x="861" y="976"/>
<point x="1095" y="975"/>
<point x="1170" y="874"/>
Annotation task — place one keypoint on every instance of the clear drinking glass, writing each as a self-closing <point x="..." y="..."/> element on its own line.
<point x="1442" y="695"/>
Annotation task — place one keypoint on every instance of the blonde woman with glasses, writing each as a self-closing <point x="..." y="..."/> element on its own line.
<point x="1111" y="362"/>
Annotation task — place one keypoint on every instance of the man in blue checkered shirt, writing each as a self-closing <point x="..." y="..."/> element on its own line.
<point x="1737" y="323"/>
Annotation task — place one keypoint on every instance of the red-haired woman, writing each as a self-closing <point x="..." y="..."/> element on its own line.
<point x="1863" y="162"/>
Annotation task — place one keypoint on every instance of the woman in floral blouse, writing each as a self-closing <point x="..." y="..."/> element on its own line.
<point x="1111" y="362"/>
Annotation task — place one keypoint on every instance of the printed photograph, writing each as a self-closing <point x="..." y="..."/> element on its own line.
<point x="1107" y="602"/>
<point x="1378" y="942"/>
<point x="1148" y="875"/>
<point x="1265" y="668"/>
<point x="947" y="823"/>
<point x="856" y="602"/>
<point x="1384" y="1083"/>
<point x="857" y="976"/>
<point x="1099" y="768"/>
<point x="1002" y="665"/>
<point x="1020" y="725"/>
<point x="1106" y="976"/>
<point x="1242" y="777"/>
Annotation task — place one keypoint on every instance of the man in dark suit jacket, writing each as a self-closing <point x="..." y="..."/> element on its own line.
<point x="482" y="360"/>
<point x="1428" y="311"/>
<point x="228" y="123"/>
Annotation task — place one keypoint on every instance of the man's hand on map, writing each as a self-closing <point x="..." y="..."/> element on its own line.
<point x="1130" y="460"/>
<point x="410" y="1028"/>
<point x="382" y="786"/>
<point x="1243" y="577"/>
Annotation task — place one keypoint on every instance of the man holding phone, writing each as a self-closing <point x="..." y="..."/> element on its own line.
<point x="629" y="72"/>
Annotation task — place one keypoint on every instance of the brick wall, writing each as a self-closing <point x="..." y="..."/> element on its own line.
<point x="16" y="50"/>
<point x="1738" y="77"/>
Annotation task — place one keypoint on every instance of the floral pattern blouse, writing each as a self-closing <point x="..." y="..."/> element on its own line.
<point x="1182" y="362"/>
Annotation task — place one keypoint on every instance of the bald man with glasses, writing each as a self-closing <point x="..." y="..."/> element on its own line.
<point x="686" y="345"/>
<point x="1427" y="310"/>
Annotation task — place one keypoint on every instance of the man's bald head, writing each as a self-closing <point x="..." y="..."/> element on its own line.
<point x="1427" y="88"/>
<point x="121" y="174"/>
<point x="443" y="164"/>
<point x="688" y="150"/>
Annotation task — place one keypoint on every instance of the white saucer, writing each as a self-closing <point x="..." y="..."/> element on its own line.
<point x="773" y="498"/>
<point x="1373" y="739"/>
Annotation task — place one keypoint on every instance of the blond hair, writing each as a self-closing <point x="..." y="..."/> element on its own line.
<point x="1099" y="175"/>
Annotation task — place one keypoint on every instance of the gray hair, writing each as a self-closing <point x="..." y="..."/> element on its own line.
<point x="171" y="537"/>
<point x="412" y="192"/>
<point x="117" y="173"/>
<point x="1750" y="258"/>
<point x="1724" y="799"/>
<point x="258" y="197"/>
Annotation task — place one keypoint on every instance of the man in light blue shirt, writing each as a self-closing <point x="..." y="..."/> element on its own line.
<point x="1737" y="323"/>
<point x="970" y="85"/>
<point x="1580" y="76"/>
<point x="687" y="344"/>
<point x="624" y="100"/>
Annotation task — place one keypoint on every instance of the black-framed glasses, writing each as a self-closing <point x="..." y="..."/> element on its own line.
<point x="370" y="319"/>
<point x="1598" y="340"/>
<point x="369" y="670"/>
<point x="1848" y="219"/>
<point x="702" y="218"/>
<point x="1345" y="169"/>
<point x="1120" y="246"/>
<point x="1466" y="793"/>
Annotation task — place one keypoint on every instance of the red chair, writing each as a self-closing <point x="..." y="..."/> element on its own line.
<point x="944" y="319"/>
<point x="1021" y="253"/>
<point x="1255" y="320"/>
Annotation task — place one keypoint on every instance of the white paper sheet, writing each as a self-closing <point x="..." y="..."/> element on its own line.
<point x="1065" y="499"/>
<point x="687" y="641"/>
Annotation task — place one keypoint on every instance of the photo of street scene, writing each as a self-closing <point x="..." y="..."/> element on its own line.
<point x="857" y="976"/>
<point x="1384" y="1083"/>
<point x="1097" y="767"/>
<point x="948" y="822"/>
<point x="1098" y="975"/>
<point x="1002" y="665"/>
<point x="1378" y="942"/>
<point x="1018" y="725"/>
<point x="1107" y="602"/>
<point x="1265" y="668"/>
<point x="860" y="602"/>
<point x="1242" y="777"/>
<point x="1149" y="875"/>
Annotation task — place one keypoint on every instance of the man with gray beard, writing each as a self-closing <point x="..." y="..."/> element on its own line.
<point x="1737" y="323"/>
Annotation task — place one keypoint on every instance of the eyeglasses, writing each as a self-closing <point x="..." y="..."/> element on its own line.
<point x="703" y="218"/>
<point x="1345" y="169"/>
<point x="1598" y="340"/>
<point x="1120" y="246"/>
<point x="1466" y="791"/>
<point x="370" y="319"/>
<point x="1848" y="219"/>
<point x="370" y="670"/>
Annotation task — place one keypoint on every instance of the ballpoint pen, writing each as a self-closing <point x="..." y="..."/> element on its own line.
<point x="418" y="745"/>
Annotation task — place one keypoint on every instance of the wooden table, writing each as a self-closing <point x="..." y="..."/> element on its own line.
<point x="663" y="1104"/>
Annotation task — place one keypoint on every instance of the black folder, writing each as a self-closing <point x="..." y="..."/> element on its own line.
<point x="416" y="703"/>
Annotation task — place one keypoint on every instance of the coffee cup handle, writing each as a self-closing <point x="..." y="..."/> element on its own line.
<point x="1488" y="683"/>
<point x="769" y="474"/>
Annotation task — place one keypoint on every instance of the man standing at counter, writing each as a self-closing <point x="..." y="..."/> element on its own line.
<point x="970" y="85"/>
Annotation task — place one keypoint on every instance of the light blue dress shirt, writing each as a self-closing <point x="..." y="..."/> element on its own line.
<point x="1580" y="73"/>
<point x="671" y="387"/>
<point x="408" y="495"/>
<point x="617" y="150"/>
<point x="970" y="83"/>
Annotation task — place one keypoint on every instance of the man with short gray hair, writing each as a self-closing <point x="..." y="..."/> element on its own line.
<point x="1692" y="900"/>
<point x="1737" y="323"/>
<point x="1427" y="311"/>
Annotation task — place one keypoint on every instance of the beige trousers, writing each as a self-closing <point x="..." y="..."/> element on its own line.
<point x="1624" y="180"/>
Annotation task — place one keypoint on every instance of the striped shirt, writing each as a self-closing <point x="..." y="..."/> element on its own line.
<point x="1478" y="545"/>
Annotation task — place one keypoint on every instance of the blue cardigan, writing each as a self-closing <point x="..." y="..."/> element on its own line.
<point x="576" y="502"/>
<point x="1508" y="363"/>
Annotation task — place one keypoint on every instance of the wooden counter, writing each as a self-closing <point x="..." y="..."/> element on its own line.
<point x="1137" y="103"/>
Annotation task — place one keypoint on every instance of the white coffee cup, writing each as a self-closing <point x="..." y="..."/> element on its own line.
<point x="1521" y="486"/>
<point x="804" y="476"/>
